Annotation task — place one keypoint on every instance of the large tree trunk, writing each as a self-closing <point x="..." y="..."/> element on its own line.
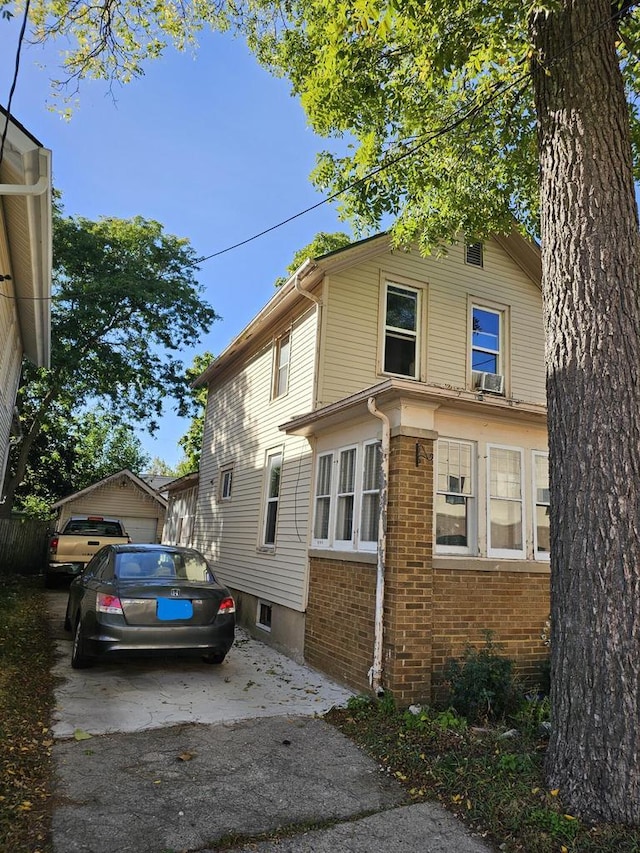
<point x="592" y="317"/>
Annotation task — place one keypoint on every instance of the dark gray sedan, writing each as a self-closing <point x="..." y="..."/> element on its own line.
<point x="141" y="599"/>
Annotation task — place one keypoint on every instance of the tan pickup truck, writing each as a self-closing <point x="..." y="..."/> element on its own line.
<point x="81" y="537"/>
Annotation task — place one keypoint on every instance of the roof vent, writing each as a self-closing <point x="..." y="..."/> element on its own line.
<point x="473" y="254"/>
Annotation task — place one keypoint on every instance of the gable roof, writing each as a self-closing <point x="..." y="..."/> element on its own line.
<point x="525" y="253"/>
<point x="124" y="474"/>
<point x="26" y="219"/>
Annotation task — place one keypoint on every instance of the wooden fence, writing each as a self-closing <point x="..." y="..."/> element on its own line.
<point x="23" y="546"/>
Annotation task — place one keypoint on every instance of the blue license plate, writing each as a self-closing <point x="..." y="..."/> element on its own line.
<point x="170" y="608"/>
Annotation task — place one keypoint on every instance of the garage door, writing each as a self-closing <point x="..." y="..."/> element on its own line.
<point x="141" y="529"/>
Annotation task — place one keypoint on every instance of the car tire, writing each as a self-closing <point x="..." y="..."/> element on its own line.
<point x="79" y="659"/>
<point x="215" y="658"/>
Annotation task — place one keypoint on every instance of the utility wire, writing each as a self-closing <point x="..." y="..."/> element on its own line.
<point x="14" y="82"/>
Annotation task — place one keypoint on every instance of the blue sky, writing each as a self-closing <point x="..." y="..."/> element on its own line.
<point x="210" y="145"/>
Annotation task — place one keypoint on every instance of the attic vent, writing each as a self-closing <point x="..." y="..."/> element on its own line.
<point x="474" y="254"/>
<point x="491" y="382"/>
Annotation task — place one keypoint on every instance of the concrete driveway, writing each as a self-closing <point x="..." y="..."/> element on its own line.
<point x="141" y="694"/>
<point x="174" y="756"/>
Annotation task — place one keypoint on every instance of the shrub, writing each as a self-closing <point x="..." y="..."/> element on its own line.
<point x="482" y="685"/>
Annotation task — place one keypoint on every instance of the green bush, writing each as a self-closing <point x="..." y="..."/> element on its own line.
<point x="482" y="685"/>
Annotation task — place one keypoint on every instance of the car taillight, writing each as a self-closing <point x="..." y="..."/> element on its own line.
<point x="108" y="604"/>
<point x="227" y="605"/>
<point x="53" y="545"/>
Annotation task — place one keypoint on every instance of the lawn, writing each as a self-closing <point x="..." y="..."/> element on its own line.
<point x="490" y="776"/>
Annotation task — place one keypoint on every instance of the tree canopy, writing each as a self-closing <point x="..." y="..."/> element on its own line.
<point x="321" y="244"/>
<point x="460" y="116"/>
<point x="125" y="302"/>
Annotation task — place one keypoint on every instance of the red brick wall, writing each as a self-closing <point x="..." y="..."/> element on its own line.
<point x="512" y="605"/>
<point x="340" y="620"/>
<point x="430" y="615"/>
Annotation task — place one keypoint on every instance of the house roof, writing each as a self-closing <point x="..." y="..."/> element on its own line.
<point x="185" y="482"/>
<point x="124" y="474"/>
<point x="25" y="217"/>
<point x="525" y="253"/>
<point x="387" y="393"/>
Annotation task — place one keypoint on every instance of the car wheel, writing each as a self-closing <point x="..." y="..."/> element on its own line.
<point x="214" y="657"/>
<point x="79" y="659"/>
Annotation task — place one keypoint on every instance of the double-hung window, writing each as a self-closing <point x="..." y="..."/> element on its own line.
<point x="272" y="498"/>
<point x="455" y="508"/>
<point x="486" y="340"/>
<point x="371" y="487"/>
<point x="347" y="498"/>
<point x="505" y="502"/>
<point x="541" y="502"/>
<point x="401" y="354"/>
<point x="281" y="355"/>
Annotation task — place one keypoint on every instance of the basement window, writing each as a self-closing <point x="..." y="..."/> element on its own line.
<point x="264" y="616"/>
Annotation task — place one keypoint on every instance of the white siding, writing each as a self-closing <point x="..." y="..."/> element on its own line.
<point x="10" y="364"/>
<point x="180" y="518"/>
<point x="241" y="426"/>
<point x="352" y="316"/>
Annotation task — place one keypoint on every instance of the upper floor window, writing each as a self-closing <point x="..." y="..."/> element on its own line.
<point x="401" y="322"/>
<point x="282" y="348"/>
<point x="455" y="505"/>
<point x="505" y="503"/>
<point x="542" y="501"/>
<point x="272" y="497"/>
<point x="486" y="340"/>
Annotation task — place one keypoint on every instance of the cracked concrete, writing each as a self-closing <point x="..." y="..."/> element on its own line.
<point x="175" y="756"/>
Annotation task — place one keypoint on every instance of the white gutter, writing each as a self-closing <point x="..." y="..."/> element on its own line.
<point x="302" y="272"/>
<point x="38" y="188"/>
<point x="375" y="673"/>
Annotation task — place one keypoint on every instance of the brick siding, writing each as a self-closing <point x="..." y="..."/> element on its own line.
<point x="430" y="615"/>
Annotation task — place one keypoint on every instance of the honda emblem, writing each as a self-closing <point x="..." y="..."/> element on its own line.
<point x="175" y="593"/>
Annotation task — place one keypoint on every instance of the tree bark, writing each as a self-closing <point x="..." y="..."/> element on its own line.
<point x="589" y="231"/>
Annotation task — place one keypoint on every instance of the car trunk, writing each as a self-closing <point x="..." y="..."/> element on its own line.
<point x="166" y="604"/>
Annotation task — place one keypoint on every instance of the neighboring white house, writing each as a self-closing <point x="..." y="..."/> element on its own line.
<point x="25" y="265"/>
<point x="122" y="495"/>
<point x="373" y="480"/>
<point x="182" y="496"/>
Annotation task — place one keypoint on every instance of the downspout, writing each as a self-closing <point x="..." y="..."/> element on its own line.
<point x="26" y="189"/>
<point x="375" y="673"/>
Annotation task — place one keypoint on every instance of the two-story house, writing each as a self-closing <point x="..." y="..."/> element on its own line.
<point x="25" y="264"/>
<point x="374" y="478"/>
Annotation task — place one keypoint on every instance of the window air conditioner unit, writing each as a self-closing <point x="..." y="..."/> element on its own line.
<point x="493" y="383"/>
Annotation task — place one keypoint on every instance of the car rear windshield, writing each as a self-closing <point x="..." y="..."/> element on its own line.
<point x="167" y="565"/>
<point x="95" y="528"/>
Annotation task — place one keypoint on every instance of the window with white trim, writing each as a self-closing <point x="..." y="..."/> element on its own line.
<point x="541" y="503"/>
<point x="323" y="499"/>
<point x="272" y="498"/>
<point x="264" y="615"/>
<point x="401" y="326"/>
<point x="505" y="502"/>
<point x="347" y="498"/>
<point x="281" y="356"/>
<point x="371" y="487"/>
<point x="487" y="340"/>
<point x="226" y="483"/>
<point x="455" y="503"/>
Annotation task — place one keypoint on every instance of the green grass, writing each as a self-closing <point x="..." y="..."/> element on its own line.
<point x="26" y="700"/>
<point x="495" y="784"/>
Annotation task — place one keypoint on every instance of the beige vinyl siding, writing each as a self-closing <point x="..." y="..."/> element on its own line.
<point x="114" y="501"/>
<point x="10" y="363"/>
<point x="241" y="427"/>
<point x="351" y="320"/>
